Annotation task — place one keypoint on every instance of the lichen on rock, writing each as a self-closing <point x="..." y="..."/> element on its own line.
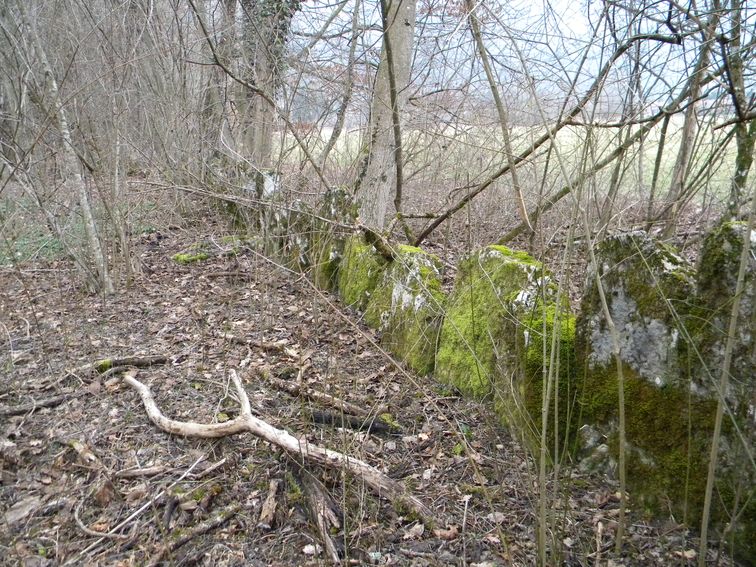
<point x="329" y="237"/>
<point x="407" y="307"/>
<point x="649" y="291"/>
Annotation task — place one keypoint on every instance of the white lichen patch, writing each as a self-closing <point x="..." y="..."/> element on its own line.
<point x="647" y="344"/>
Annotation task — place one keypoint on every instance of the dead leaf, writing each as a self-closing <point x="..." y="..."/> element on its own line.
<point x="449" y="534"/>
<point x="189" y="505"/>
<point x="137" y="493"/>
<point x="104" y="493"/>
<point x="414" y="532"/>
<point x="496" y="517"/>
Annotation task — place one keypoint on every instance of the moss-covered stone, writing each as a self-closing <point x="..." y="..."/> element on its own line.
<point x="359" y="272"/>
<point x="329" y="239"/>
<point x="407" y="307"/>
<point x="717" y="282"/>
<point x="500" y="314"/>
<point x="669" y="417"/>
<point x="717" y="279"/>
<point x="190" y="258"/>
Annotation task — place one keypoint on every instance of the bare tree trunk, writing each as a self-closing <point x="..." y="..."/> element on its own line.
<point x="264" y="31"/>
<point x="378" y="180"/>
<point x="503" y="118"/>
<point x="71" y="166"/>
<point x="216" y="128"/>
<point x="745" y="131"/>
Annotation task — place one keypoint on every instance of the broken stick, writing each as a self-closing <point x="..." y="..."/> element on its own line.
<point x="382" y="484"/>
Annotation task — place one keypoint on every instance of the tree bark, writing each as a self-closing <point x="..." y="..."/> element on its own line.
<point x="378" y="180"/>
<point x="264" y="31"/>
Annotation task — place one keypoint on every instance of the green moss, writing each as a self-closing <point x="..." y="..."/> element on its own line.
<point x="501" y="313"/>
<point x="521" y="257"/>
<point x="359" y="272"/>
<point x="103" y="365"/>
<point x="473" y="328"/>
<point x="294" y="493"/>
<point x="389" y="420"/>
<point x="186" y="258"/>
<point x="669" y="402"/>
<point x="667" y="431"/>
<point x="326" y="253"/>
<point x="535" y="337"/>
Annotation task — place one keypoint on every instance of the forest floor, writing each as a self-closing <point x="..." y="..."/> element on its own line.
<point x="91" y="481"/>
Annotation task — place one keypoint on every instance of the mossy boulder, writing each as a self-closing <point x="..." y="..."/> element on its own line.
<point x="718" y="269"/>
<point x="329" y="236"/>
<point x="359" y="272"/>
<point x="503" y="317"/>
<point x="407" y="307"/>
<point x="668" y="420"/>
<point x="717" y="280"/>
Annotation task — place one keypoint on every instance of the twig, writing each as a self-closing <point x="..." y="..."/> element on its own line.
<point x="136" y="473"/>
<point x="45" y="403"/>
<point x="92" y="532"/>
<point x="296" y="389"/>
<point x="209" y="469"/>
<point x="268" y="512"/>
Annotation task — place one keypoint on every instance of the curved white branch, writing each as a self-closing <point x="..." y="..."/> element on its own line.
<point x="375" y="479"/>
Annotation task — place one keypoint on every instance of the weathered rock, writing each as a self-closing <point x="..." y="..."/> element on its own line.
<point x="717" y="281"/>
<point x="669" y="417"/>
<point x="359" y="272"/>
<point x="329" y="238"/>
<point x="501" y="313"/>
<point x="407" y="307"/>
<point x="297" y="229"/>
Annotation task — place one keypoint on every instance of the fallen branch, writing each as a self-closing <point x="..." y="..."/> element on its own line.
<point x="268" y="513"/>
<point x="374" y="425"/>
<point x="323" y="514"/>
<point x="45" y="403"/>
<point x="381" y="245"/>
<point x="137" y="361"/>
<point x="297" y="448"/>
<point x="296" y="389"/>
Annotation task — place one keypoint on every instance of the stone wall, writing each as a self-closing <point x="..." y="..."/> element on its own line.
<point x="505" y="334"/>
